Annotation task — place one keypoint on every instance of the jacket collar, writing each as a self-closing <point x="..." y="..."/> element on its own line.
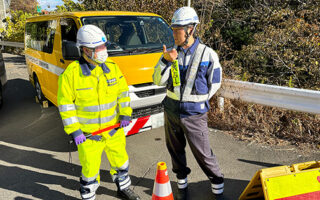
<point x="104" y="68"/>
<point x="190" y="49"/>
<point x="87" y="67"/>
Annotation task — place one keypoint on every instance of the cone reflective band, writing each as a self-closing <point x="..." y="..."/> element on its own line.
<point x="162" y="188"/>
<point x="175" y="73"/>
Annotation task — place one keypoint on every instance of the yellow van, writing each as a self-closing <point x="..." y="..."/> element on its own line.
<point x="134" y="42"/>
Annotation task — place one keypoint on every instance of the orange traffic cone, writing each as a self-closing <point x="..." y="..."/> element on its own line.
<point x="162" y="187"/>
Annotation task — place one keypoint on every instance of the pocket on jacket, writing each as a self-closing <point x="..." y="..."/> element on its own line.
<point x="85" y="93"/>
<point x="200" y="83"/>
<point x="112" y="84"/>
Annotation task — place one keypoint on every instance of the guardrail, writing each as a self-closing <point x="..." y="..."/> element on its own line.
<point x="277" y="96"/>
<point x="12" y="44"/>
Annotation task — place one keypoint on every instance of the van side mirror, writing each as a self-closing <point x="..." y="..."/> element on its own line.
<point x="70" y="51"/>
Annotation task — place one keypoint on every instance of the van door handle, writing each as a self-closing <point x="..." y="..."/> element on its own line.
<point x="62" y="61"/>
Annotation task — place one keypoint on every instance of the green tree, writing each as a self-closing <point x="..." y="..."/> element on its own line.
<point x="165" y="8"/>
<point x="70" y="6"/>
<point x="14" y="30"/>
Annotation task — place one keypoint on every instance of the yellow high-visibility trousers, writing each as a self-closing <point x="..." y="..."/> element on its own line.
<point x="90" y="153"/>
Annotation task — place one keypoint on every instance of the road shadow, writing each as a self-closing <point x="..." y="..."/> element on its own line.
<point x="29" y="172"/>
<point x="22" y="119"/>
<point x="21" y="198"/>
<point x="16" y="59"/>
<point x="263" y="164"/>
<point x="33" y="183"/>
<point x="202" y="190"/>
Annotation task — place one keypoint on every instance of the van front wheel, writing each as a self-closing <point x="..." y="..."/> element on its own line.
<point x="39" y="93"/>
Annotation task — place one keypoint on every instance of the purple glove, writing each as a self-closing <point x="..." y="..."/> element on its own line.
<point x="79" y="139"/>
<point x="124" y="123"/>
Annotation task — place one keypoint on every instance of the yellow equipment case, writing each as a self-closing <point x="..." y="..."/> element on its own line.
<point x="296" y="182"/>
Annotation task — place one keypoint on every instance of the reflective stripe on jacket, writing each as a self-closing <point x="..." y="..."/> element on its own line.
<point x="203" y="76"/>
<point x="91" y="100"/>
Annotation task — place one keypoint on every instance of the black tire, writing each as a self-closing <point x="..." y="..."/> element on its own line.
<point x="38" y="90"/>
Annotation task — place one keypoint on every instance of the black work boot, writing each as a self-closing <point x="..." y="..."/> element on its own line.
<point x="182" y="194"/>
<point x="127" y="193"/>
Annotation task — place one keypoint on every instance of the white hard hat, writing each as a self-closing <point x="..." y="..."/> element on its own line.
<point x="184" y="16"/>
<point x="90" y="36"/>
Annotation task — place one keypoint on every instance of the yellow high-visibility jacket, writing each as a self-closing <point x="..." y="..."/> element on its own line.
<point x="90" y="100"/>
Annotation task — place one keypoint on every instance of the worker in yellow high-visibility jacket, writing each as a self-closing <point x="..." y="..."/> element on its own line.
<point x="93" y="94"/>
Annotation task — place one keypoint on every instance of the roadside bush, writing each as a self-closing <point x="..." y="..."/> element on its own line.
<point x="15" y="26"/>
<point x="165" y="8"/>
<point x="269" y="125"/>
<point x="285" y="53"/>
<point x="282" y="49"/>
<point x="14" y="30"/>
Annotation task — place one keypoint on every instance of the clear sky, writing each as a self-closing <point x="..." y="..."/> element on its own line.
<point x="51" y="3"/>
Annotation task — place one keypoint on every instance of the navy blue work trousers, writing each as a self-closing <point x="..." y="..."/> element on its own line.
<point x="193" y="129"/>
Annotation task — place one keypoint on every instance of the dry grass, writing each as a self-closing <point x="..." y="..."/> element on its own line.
<point x="268" y="125"/>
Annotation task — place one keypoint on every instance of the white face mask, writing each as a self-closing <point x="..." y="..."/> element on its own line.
<point x="101" y="56"/>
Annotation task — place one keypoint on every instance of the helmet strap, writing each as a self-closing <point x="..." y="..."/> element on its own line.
<point x="188" y="34"/>
<point x="91" y="57"/>
<point x="194" y="29"/>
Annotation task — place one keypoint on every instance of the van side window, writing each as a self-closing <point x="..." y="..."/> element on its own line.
<point x="40" y="35"/>
<point x="68" y="30"/>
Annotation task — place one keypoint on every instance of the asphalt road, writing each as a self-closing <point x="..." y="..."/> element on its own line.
<point x="35" y="162"/>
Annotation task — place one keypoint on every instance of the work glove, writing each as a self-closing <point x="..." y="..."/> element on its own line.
<point x="124" y="123"/>
<point x="79" y="139"/>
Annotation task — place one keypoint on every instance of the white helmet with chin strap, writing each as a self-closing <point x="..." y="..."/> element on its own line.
<point x="90" y="36"/>
<point x="183" y="17"/>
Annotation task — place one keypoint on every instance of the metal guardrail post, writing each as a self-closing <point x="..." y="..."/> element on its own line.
<point x="221" y="104"/>
<point x="189" y="3"/>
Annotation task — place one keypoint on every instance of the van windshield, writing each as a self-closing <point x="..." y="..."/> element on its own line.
<point x="133" y="34"/>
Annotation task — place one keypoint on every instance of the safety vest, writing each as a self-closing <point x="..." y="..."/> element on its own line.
<point x="186" y="90"/>
<point x="203" y="58"/>
<point x="94" y="100"/>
